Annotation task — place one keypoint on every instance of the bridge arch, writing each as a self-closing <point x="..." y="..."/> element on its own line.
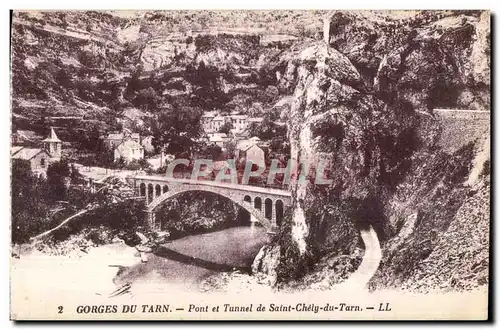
<point x="157" y="190"/>
<point x="268" y="208"/>
<point x="142" y="189"/>
<point x="185" y="188"/>
<point x="257" y="203"/>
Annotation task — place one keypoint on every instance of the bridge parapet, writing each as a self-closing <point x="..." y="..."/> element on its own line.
<point x="462" y="114"/>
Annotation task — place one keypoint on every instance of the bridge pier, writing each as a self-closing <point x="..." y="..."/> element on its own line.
<point x="150" y="220"/>
<point x="273" y="213"/>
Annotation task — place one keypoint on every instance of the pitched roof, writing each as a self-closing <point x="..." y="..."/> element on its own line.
<point x="15" y="149"/>
<point x="131" y="144"/>
<point x="217" y="138"/>
<point x="121" y="136"/>
<point x="52" y="136"/>
<point x="114" y="136"/>
<point x="250" y="146"/>
<point x="256" y="120"/>
<point x="244" y="144"/>
<point x="219" y="134"/>
<point x="239" y="116"/>
<point x="28" y="153"/>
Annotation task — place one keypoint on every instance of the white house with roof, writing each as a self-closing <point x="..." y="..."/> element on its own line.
<point x="218" y="122"/>
<point x="253" y="153"/>
<point x="129" y="150"/>
<point x="219" y="139"/>
<point x="240" y="122"/>
<point x="248" y="150"/>
<point x="254" y="140"/>
<point x="112" y="140"/>
<point x="212" y="121"/>
<point x="207" y="122"/>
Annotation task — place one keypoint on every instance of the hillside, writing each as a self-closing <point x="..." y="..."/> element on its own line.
<point x="96" y="64"/>
<point x="363" y="101"/>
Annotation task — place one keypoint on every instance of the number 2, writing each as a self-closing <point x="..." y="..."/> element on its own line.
<point x="60" y="308"/>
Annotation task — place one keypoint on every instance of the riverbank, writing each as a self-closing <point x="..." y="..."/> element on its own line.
<point x="36" y="275"/>
<point x="78" y="267"/>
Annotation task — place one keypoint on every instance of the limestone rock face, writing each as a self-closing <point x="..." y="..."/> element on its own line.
<point x="427" y="58"/>
<point x="266" y="262"/>
<point x="361" y="104"/>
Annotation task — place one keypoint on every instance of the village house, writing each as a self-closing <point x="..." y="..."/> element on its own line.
<point x="218" y="122"/>
<point x="212" y="122"/>
<point x="39" y="159"/>
<point x="240" y="122"/>
<point x="129" y="150"/>
<point x="113" y="140"/>
<point x="127" y="145"/>
<point x="207" y="122"/>
<point x="248" y="150"/>
<point x="253" y="153"/>
<point x="219" y="139"/>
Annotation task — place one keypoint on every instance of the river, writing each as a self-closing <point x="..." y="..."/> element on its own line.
<point x="185" y="262"/>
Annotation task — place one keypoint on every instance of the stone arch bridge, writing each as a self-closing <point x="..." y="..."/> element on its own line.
<point x="265" y="205"/>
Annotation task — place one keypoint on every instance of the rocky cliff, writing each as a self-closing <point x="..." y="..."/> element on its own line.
<point x="363" y="102"/>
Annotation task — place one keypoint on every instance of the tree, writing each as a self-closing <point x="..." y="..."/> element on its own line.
<point x="213" y="152"/>
<point x="226" y="128"/>
<point x="63" y="78"/>
<point x="87" y="58"/>
<point x="231" y="149"/>
<point x="175" y="129"/>
<point x="57" y="177"/>
<point x="267" y="130"/>
<point x="27" y="190"/>
<point x="148" y="99"/>
<point x="134" y="84"/>
<point x="206" y="80"/>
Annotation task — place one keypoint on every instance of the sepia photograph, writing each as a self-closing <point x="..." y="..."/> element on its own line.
<point x="250" y="164"/>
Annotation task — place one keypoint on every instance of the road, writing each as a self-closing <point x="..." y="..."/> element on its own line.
<point x="369" y="265"/>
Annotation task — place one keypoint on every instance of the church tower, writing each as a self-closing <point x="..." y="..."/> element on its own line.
<point x="52" y="145"/>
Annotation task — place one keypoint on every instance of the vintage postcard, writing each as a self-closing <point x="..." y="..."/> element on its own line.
<point x="250" y="165"/>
